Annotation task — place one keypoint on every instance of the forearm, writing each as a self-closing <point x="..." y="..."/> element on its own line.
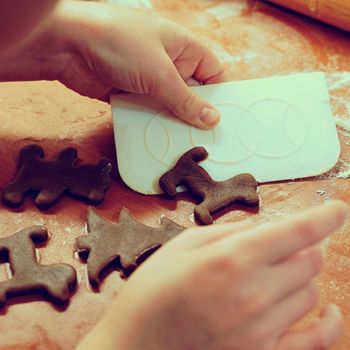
<point x="46" y="55"/>
<point x="31" y="62"/>
<point x="43" y="57"/>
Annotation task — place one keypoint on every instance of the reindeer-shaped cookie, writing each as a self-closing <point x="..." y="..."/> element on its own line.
<point x="128" y="241"/>
<point x="56" y="282"/>
<point x="49" y="179"/>
<point x="214" y="195"/>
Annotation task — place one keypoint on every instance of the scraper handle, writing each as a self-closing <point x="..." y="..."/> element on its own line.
<point x="334" y="12"/>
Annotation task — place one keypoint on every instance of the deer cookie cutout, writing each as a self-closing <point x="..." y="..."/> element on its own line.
<point x="127" y="240"/>
<point x="55" y="282"/>
<point x="49" y="179"/>
<point x="214" y="195"/>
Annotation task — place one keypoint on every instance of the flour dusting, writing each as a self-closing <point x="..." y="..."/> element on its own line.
<point x="342" y="123"/>
<point x="345" y="174"/>
<point x="228" y="9"/>
<point x="339" y="90"/>
<point x="145" y="4"/>
<point x="338" y="80"/>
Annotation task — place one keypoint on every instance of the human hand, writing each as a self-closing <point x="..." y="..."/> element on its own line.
<point x="111" y="47"/>
<point x="234" y="287"/>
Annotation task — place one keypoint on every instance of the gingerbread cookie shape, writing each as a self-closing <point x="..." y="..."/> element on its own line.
<point x="49" y="179"/>
<point x="54" y="282"/>
<point x="128" y="241"/>
<point x="214" y="195"/>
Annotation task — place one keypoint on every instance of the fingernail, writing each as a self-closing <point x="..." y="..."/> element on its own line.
<point x="209" y="116"/>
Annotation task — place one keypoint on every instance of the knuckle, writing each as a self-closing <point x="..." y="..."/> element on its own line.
<point x="232" y="261"/>
<point x="226" y="264"/>
<point x="252" y="303"/>
<point x="257" y="302"/>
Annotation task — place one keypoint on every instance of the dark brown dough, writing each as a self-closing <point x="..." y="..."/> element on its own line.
<point x="49" y="179"/>
<point x="127" y="241"/>
<point x="54" y="282"/>
<point x="214" y="195"/>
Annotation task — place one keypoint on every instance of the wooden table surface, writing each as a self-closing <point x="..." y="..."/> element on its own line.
<point x="254" y="40"/>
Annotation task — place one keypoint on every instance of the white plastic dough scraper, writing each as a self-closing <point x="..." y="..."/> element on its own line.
<point x="279" y="128"/>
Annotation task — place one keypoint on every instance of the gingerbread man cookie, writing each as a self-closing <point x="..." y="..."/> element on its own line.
<point x="49" y="179"/>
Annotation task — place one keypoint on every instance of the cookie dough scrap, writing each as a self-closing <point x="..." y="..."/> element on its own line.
<point x="128" y="241"/>
<point x="49" y="179"/>
<point x="55" y="283"/>
<point x="214" y="195"/>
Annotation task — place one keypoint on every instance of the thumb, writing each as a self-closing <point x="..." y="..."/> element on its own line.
<point x="182" y="101"/>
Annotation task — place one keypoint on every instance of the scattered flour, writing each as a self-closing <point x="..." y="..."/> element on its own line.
<point x="145" y="4"/>
<point x="226" y="57"/>
<point x="76" y="255"/>
<point x="8" y="271"/>
<point x="344" y="174"/>
<point x="228" y="9"/>
<point x="68" y="229"/>
<point x="338" y="80"/>
<point x="339" y="89"/>
<point x="192" y="219"/>
<point x="342" y="123"/>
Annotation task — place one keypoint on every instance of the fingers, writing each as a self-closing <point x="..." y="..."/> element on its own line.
<point x="300" y="269"/>
<point x="203" y="236"/>
<point x="195" y="61"/>
<point x="274" y="242"/>
<point x="321" y="336"/>
<point x="209" y="69"/>
<point x="284" y="314"/>
<point x="179" y="98"/>
<point x="199" y="62"/>
<point x="192" y="82"/>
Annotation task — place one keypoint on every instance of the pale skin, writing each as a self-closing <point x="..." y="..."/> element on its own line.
<point x="230" y="287"/>
<point x="93" y="49"/>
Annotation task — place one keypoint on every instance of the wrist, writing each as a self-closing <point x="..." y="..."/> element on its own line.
<point x="38" y="59"/>
<point x="44" y="57"/>
<point x="151" y="320"/>
<point x="128" y="325"/>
